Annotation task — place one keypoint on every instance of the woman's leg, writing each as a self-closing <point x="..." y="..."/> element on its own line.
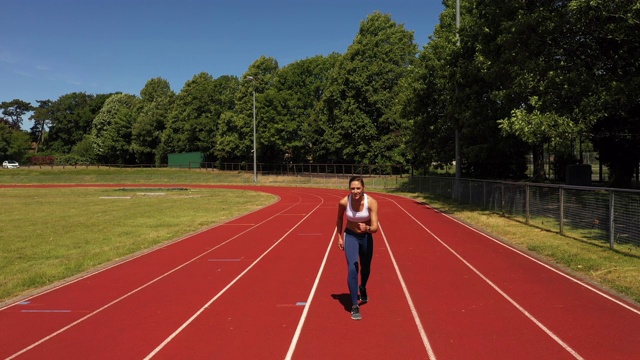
<point x="366" y="254"/>
<point x="351" y="249"/>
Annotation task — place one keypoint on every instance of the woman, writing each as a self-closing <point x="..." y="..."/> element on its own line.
<point x="361" y="211"/>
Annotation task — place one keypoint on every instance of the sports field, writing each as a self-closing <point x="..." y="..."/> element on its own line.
<point x="272" y="284"/>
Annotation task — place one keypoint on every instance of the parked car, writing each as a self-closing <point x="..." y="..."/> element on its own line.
<point x="10" y="164"/>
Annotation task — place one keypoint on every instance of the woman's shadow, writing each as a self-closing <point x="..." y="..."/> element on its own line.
<point x="344" y="299"/>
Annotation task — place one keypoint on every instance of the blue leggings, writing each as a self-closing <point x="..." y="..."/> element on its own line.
<point x="357" y="247"/>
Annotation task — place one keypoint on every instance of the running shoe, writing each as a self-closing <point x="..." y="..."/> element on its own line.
<point x="363" y="295"/>
<point x="355" y="313"/>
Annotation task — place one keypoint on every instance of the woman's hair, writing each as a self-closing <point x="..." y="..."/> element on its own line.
<point x="356" y="178"/>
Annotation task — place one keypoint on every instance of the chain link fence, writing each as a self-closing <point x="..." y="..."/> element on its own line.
<point x="602" y="214"/>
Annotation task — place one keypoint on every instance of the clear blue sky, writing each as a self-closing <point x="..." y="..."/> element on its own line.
<point x="49" y="48"/>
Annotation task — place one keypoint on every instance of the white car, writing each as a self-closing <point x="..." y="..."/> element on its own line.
<point x="10" y="164"/>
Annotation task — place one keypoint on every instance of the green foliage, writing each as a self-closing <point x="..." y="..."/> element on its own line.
<point x="14" y="111"/>
<point x="72" y="118"/>
<point x="112" y="128"/>
<point x="193" y="122"/>
<point x="356" y="121"/>
<point x="146" y="134"/>
<point x="14" y="144"/>
<point x="234" y="138"/>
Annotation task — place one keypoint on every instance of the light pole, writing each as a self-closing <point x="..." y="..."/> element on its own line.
<point x="255" y="174"/>
<point x="456" y="188"/>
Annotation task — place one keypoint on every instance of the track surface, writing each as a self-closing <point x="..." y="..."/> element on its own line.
<point x="272" y="285"/>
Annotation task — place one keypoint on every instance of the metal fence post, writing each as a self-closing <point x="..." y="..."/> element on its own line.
<point x="612" y="235"/>
<point x="526" y="204"/>
<point x="561" y="194"/>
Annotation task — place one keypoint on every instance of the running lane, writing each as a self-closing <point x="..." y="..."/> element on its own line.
<point x="127" y="310"/>
<point x="481" y="299"/>
<point x="272" y="285"/>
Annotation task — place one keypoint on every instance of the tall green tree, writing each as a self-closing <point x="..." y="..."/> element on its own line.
<point x="193" y="122"/>
<point x="41" y="117"/>
<point x="234" y="140"/>
<point x="14" y="143"/>
<point x="287" y="106"/>
<point x="112" y="129"/>
<point x="357" y="124"/>
<point x="14" y="111"/>
<point x="157" y="101"/>
<point x="607" y="44"/>
<point x="71" y="119"/>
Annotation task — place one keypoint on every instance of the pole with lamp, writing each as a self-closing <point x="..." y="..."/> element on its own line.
<point x="457" y="134"/>
<point x="255" y="174"/>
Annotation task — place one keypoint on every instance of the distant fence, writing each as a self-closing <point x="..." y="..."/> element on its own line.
<point x="605" y="214"/>
<point x="310" y="169"/>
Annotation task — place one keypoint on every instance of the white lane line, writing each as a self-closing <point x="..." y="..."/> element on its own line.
<point x="416" y="317"/>
<point x="137" y="289"/>
<point x="303" y="317"/>
<point x="495" y="287"/>
<point x="595" y="290"/>
<point x="205" y="306"/>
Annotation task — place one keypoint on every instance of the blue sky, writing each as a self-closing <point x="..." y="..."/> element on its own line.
<point x="49" y="48"/>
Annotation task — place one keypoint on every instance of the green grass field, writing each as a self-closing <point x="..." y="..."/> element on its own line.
<point x="51" y="234"/>
<point x="48" y="241"/>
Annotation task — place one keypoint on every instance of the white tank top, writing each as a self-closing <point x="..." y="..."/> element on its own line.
<point x="355" y="216"/>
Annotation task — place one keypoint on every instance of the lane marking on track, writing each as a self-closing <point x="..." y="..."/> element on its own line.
<point x="139" y="288"/>
<point x="496" y="288"/>
<point x="595" y="290"/>
<point x="414" y="312"/>
<point x="303" y="317"/>
<point x="205" y="306"/>
<point x="223" y="260"/>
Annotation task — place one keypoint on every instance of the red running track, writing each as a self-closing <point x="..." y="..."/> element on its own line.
<point x="272" y="285"/>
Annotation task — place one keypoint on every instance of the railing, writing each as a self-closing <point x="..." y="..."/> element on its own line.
<point x="604" y="214"/>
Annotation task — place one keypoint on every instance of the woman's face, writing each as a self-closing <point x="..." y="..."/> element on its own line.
<point x="356" y="189"/>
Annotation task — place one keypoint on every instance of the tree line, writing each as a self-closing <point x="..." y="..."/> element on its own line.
<point x="511" y="79"/>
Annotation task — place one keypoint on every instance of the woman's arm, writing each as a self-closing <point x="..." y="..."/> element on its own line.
<point x="342" y="207"/>
<point x="373" y="211"/>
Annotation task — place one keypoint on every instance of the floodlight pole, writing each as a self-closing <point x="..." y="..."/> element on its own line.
<point x="457" y="135"/>
<point x="255" y="173"/>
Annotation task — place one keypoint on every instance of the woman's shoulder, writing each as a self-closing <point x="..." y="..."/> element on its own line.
<point x="344" y="201"/>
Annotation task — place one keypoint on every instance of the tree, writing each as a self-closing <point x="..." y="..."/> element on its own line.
<point x="41" y="117"/>
<point x="14" y="111"/>
<point x="234" y="138"/>
<point x="71" y="119"/>
<point x="14" y="144"/>
<point x="356" y="123"/>
<point x="157" y="100"/>
<point x="112" y="128"/>
<point x="193" y="122"/>
<point x="287" y="106"/>
<point x="605" y="53"/>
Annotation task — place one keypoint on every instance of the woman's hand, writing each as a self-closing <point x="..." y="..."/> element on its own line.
<point x="340" y="244"/>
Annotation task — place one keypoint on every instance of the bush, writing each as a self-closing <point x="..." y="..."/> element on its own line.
<point x="42" y="160"/>
<point x="72" y="159"/>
